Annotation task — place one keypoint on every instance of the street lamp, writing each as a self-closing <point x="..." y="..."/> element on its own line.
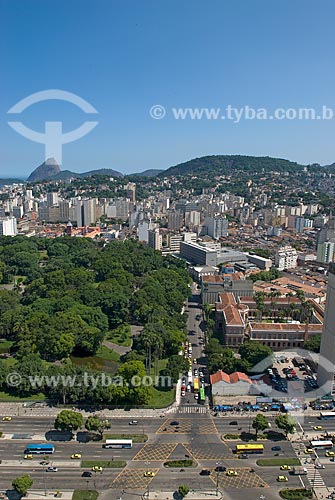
<point x="217" y="477"/>
<point x="147" y="463"/>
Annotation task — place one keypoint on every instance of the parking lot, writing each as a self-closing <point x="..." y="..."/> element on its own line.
<point x="286" y="370"/>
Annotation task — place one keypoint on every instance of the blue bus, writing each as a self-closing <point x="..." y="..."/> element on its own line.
<point x="44" y="449"/>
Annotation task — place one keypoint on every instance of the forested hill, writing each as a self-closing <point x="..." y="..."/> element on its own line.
<point x="225" y="164"/>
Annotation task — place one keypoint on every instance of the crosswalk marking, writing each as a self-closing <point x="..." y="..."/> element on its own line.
<point x="192" y="409"/>
<point x="313" y="475"/>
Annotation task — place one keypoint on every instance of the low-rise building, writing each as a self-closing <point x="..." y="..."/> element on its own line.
<point x="230" y="319"/>
<point x="230" y="385"/>
<point x="236" y="283"/>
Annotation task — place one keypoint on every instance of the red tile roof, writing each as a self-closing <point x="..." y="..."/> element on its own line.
<point x="218" y="376"/>
<point x="229" y="379"/>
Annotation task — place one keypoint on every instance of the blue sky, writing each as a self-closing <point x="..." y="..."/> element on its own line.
<point x="124" y="56"/>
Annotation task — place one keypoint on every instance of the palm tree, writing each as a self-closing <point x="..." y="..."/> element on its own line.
<point x="158" y="350"/>
<point x="289" y="295"/>
<point x="148" y="338"/>
<point x="207" y="308"/>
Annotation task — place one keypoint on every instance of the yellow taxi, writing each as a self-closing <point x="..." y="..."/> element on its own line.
<point x="317" y="428"/>
<point x="330" y="453"/>
<point x="28" y="457"/>
<point x="285" y="467"/>
<point x="308" y="451"/>
<point x="282" y="479"/>
<point x="76" y="455"/>
<point x="97" y="468"/>
<point x="232" y="472"/>
<point x="149" y="473"/>
<point x="6" y="419"/>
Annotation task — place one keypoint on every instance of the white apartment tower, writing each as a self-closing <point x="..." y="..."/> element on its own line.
<point x="286" y="258"/>
<point x="8" y="226"/>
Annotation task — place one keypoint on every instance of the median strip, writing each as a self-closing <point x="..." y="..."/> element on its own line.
<point x="136" y="438"/>
<point x="107" y="464"/>
<point x="272" y="462"/>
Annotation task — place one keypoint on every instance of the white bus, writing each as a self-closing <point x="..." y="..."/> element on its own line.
<point x="322" y="445"/>
<point x="118" y="443"/>
<point x="324" y="415"/>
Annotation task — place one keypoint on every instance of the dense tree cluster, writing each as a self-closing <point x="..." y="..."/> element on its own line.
<point x="74" y="292"/>
<point x="223" y="358"/>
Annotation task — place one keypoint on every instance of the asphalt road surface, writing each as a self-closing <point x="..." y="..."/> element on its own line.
<point x="198" y="435"/>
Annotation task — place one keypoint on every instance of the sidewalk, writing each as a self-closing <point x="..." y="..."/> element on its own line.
<point x="17" y="409"/>
<point x="40" y="494"/>
<point x="192" y="495"/>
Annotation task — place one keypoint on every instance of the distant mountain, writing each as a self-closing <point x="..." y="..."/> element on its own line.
<point x="4" y="182"/>
<point x="67" y="174"/>
<point x="224" y="164"/>
<point x="49" y="168"/>
<point x="148" y="173"/>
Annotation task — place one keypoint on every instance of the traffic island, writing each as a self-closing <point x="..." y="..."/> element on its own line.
<point x="296" y="493"/>
<point x="105" y="464"/>
<point x="180" y="463"/>
<point x="85" y="495"/>
<point x="277" y="462"/>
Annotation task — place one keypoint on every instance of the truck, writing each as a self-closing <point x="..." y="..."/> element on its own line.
<point x="299" y="471"/>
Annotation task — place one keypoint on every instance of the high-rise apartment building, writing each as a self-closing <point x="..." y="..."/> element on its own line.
<point x="325" y="252"/>
<point x="175" y="220"/>
<point x="131" y="191"/>
<point x="8" y="226"/>
<point x="52" y="199"/>
<point x="155" y="239"/>
<point x="217" y="226"/>
<point x="86" y="212"/>
<point x="326" y="365"/>
<point x="286" y="258"/>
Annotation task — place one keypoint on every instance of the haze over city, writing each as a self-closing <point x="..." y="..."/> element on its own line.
<point x="124" y="57"/>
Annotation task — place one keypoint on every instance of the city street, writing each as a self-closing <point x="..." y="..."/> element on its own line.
<point x="191" y="432"/>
